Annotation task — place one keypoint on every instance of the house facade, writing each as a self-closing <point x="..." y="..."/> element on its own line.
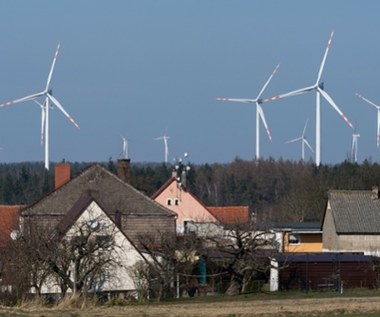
<point x="117" y="274"/>
<point x="298" y="237"/>
<point x="351" y="222"/>
<point x="189" y="210"/>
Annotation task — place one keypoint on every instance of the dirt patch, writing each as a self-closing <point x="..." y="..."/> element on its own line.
<point x="260" y="308"/>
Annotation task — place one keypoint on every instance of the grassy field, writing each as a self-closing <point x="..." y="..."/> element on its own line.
<point x="316" y="304"/>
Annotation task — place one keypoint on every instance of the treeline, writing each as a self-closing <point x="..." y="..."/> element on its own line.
<point x="275" y="190"/>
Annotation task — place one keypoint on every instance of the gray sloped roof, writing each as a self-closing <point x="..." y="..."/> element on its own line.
<point x="355" y="212"/>
<point x="106" y="188"/>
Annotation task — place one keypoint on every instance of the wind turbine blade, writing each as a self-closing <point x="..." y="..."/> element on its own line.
<point x="332" y="103"/>
<point x="267" y="82"/>
<point x="59" y="106"/>
<point x="293" y="140"/>
<point x="261" y="113"/>
<point x="52" y="68"/>
<point x="304" y="128"/>
<point x="368" y="101"/>
<point x="324" y="58"/>
<point x="26" y="98"/>
<point x="236" y="100"/>
<point x="290" y="94"/>
<point x="308" y="145"/>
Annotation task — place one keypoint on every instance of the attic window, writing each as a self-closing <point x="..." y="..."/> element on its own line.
<point x="104" y="241"/>
<point x="294" y="238"/>
<point x="176" y="202"/>
<point x="169" y="202"/>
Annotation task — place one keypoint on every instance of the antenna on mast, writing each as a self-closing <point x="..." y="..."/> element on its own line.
<point x="181" y="170"/>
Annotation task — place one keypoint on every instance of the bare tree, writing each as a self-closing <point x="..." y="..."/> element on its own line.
<point x="79" y="258"/>
<point x="244" y="252"/>
<point x="169" y="258"/>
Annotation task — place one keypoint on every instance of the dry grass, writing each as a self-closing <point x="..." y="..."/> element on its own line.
<point x="229" y="307"/>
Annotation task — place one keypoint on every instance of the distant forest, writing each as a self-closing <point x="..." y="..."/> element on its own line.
<point x="275" y="190"/>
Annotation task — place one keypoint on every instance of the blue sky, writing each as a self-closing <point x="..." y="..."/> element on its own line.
<point x="144" y="68"/>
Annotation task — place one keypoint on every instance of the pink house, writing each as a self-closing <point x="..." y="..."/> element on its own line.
<point x="174" y="196"/>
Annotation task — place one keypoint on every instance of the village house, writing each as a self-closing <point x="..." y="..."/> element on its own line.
<point x="97" y="193"/>
<point x="298" y="237"/>
<point x="132" y="211"/>
<point x="115" y="276"/>
<point x="189" y="210"/>
<point x="192" y="214"/>
<point x="351" y="222"/>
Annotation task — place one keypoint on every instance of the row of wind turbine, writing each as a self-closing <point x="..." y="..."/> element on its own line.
<point x="318" y="87"/>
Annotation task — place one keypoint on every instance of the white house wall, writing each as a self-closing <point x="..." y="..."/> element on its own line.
<point x="118" y="277"/>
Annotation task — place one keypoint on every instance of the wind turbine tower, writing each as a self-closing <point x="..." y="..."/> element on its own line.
<point x="50" y="100"/>
<point x="124" y="154"/>
<point x="354" y="149"/>
<point x="165" y="138"/>
<point x="318" y="87"/>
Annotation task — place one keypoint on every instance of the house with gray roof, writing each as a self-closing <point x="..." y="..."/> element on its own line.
<point x="351" y="222"/>
<point x="132" y="211"/>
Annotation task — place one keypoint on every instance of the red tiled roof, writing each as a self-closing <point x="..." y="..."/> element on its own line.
<point x="9" y="221"/>
<point x="231" y="215"/>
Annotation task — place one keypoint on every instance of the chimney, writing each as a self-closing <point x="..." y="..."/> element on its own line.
<point x="123" y="168"/>
<point x="61" y="174"/>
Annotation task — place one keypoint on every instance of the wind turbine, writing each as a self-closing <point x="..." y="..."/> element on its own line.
<point x="319" y="88"/>
<point x="259" y="111"/>
<point x="303" y="141"/>
<point x="125" y="148"/>
<point x="354" y="149"/>
<point x="49" y="101"/>
<point x="165" y="138"/>
<point x="378" y="116"/>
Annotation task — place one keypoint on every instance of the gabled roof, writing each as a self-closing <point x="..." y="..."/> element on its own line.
<point x="164" y="186"/>
<point x="77" y="210"/>
<point x="9" y="221"/>
<point x="184" y="189"/>
<point x="355" y="212"/>
<point x="106" y="188"/>
<point x="231" y="215"/>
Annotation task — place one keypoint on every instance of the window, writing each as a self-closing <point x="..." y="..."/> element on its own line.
<point x="104" y="242"/>
<point x="294" y="238"/>
<point x="169" y="202"/>
<point x="176" y="202"/>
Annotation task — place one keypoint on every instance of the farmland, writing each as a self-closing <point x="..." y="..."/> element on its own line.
<point x="243" y="306"/>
